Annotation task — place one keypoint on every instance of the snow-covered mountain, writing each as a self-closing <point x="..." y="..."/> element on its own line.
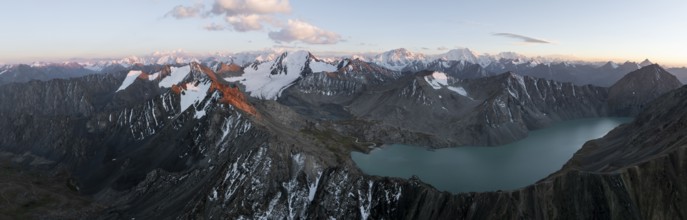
<point x="462" y="63"/>
<point x="182" y="143"/>
<point x="404" y="60"/>
<point x="459" y="55"/>
<point x="398" y="59"/>
<point x="267" y="79"/>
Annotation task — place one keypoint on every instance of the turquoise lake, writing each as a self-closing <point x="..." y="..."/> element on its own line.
<point x="479" y="169"/>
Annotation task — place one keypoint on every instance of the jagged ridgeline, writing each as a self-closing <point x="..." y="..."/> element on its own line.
<point x="270" y="138"/>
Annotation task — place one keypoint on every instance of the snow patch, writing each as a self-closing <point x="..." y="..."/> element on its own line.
<point x="365" y="202"/>
<point x="458" y="89"/>
<point x="154" y="76"/>
<point x="439" y="80"/>
<point x="130" y="78"/>
<point x="193" y="94"/>
<point x="213" y="197"/>
<point x="178" y="74"/>
<point x="312" y="188"/>
<point x="317" y="66"/>
<point x="512" y="93"/>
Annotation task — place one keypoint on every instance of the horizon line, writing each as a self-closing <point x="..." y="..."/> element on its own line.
<point x="556" y="58"/>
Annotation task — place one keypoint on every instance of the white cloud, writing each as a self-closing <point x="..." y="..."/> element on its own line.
<point x="296" y="30"/>
<point x="250" y="15"/>
<point x="254" y="15"/>
<point x="214" y="27"/>
<point x="248" y="7"/>
<point x="181" y="12"/>
<point x="243" y="23"/>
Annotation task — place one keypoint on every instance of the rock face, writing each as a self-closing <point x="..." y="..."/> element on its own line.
<point x="436" y="109"/>
<point x="350" y="78"/>
<point x="119" y="146"/>
<point x="418" y="109"/>
<point x="458" y="69"/>
<point x="629" y="95"/>
<point x="194" y="146"/>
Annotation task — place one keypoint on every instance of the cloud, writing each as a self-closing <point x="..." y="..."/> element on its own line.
<point x="181" y="12"/>
<point x="296" y="30"/>
<point x="248" y="7"/>
<point x="425" y="48"/>
<point x="249" y="15"/>
<point x="442" y="48"/>
<point x="521" y="37"/>
<point x="254" y="15"/>
<point x="243" y="23"/>
<point x="214" y="27"/>
<point x="241" y="15"/>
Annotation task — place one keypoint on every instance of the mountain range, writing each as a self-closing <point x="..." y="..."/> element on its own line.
<point x="270" y="137"/>
<point x="399" y="60"/>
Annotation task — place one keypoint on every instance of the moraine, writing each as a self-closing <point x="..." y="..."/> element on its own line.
<point x="479" y="169"/>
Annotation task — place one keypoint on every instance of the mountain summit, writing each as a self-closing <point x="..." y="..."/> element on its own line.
<point x="646" y="62"/>
<point x="397" y="59"/>
<point x="639" y="87"/>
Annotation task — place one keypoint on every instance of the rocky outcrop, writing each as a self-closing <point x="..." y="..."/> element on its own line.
<point x="350" y="78"/>
<point x="632" y="93"/>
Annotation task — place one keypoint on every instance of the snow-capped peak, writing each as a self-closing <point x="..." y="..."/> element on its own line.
<point x="398" y="59"/>
<point x="463" y="54"/>
<point x="267" y="80"/>
<point x="511" y="56"/>
<point x="243" y="58"/>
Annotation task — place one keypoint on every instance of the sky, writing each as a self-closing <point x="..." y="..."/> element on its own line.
<point x="619" y="30"/>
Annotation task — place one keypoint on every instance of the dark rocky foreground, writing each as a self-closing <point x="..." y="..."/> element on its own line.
<point x="139" y="155"/>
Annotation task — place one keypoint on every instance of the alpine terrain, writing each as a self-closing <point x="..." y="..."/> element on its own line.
<point x="271" y="138"/>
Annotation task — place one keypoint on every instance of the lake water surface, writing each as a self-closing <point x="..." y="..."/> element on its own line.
<point x="478" y="169"/>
